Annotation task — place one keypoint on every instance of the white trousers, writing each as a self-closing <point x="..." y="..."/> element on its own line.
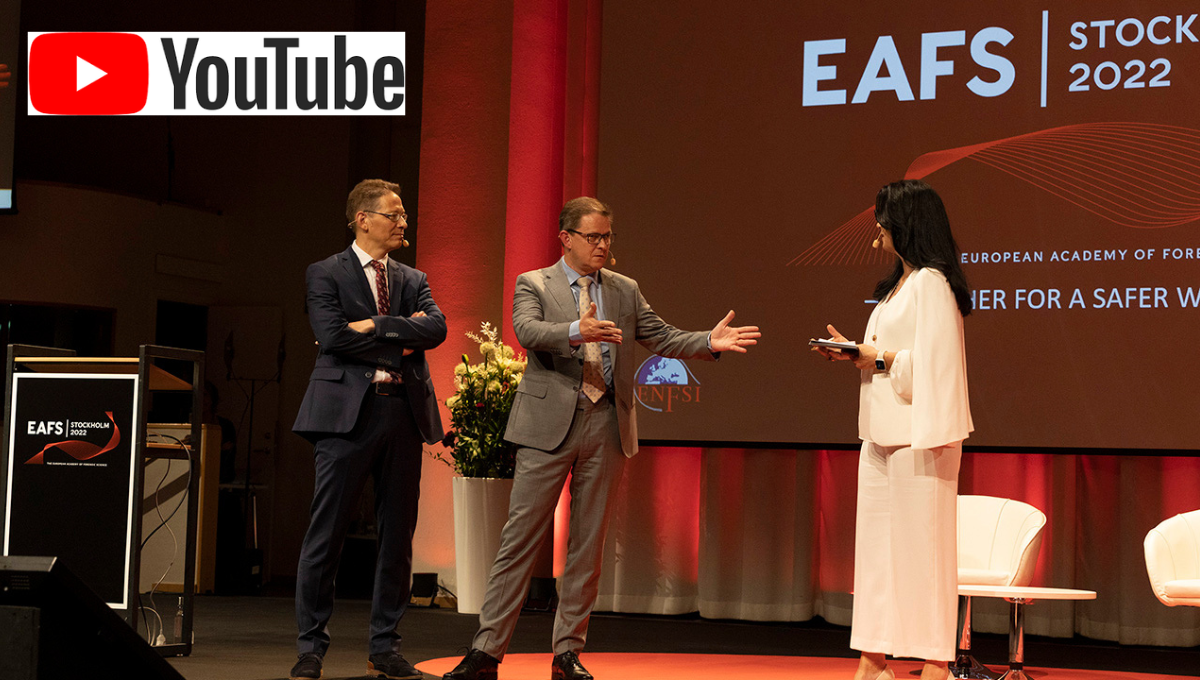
<point x="906" y="552"/>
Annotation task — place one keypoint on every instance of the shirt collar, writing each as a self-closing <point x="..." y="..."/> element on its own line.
<point x="364" y="259"/>
<point x="573" y="276"/>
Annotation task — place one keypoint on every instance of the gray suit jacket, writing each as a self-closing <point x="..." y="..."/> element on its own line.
<point x="543" y="309"/>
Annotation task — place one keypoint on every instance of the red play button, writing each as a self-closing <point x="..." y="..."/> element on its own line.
<point x="88" y="73"/>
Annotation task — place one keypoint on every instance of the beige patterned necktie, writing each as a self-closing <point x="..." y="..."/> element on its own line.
<point x="593" y="367"/>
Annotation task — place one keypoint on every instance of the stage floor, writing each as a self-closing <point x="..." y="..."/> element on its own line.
<point x="253" y="638"/>
<point x="617" y="666"/>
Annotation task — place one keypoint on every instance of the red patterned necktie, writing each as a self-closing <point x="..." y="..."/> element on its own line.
<point x="384" y="302"/>
<point x="381" y="288"/>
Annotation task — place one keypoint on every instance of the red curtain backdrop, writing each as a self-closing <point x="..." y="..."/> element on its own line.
<point x="460" y="235"/>
<point x="508" y="134"/>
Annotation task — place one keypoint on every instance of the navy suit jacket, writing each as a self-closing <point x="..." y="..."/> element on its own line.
<point x="338" y="293"/>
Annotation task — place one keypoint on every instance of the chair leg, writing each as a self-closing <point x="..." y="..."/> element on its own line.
<point x="1016" y="643"/>
<point x="965" y="666"/>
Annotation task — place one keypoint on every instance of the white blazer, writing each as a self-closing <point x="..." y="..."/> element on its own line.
<point x="922" y="401"/>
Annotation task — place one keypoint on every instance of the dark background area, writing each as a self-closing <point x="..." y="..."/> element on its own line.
<point x="179" y="230"/>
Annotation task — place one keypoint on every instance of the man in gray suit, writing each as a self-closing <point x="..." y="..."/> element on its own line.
<point x="573" y="413"/>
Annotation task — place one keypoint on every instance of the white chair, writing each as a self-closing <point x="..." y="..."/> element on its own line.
<point x="1173" y="560"/>
<point x="998" y="544"/>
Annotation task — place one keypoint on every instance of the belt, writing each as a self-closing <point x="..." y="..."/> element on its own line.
<point x="390" y="389"/>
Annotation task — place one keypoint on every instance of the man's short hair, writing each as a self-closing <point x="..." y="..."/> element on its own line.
<point x="578" y="208"/>
<point x="365" y="196"/>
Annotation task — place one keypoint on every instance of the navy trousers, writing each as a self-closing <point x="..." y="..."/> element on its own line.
<point x="384" y="445"/>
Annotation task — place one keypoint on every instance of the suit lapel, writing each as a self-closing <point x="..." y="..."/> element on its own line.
<point x="395" y="286"/>
<point x="560" y="291"/>
<point x="612" y="296"/>
<point x="358" y="275"/>
<point x="612" y="312"/>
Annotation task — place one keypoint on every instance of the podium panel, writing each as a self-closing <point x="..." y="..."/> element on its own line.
<point x="71" y="473"/>
<point x="72" y="463"/>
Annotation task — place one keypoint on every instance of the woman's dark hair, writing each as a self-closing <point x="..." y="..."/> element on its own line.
<point x="913" y="214"/>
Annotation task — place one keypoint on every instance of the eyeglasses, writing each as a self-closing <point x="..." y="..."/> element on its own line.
<point x="594" y="238"/>
<point x="395" y="217"/>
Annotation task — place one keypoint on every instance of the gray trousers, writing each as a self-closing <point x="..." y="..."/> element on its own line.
<point x="592" y="455"/>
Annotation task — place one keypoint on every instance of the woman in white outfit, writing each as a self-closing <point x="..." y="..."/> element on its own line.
<point x="913" y="417"/>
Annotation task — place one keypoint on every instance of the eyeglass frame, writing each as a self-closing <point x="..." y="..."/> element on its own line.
<point x="394" y="220"/>
<point x="593" y="238"/>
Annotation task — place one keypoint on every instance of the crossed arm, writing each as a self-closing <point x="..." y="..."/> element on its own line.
<point x="378" y="340"/>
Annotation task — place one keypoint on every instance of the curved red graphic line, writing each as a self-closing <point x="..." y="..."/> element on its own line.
<point x="1127" y="195"/>
<point x="828" y="242"/>
<point x="1137" y="175"/>
<point x="1120" y="203"/>
<point x="1067" y="190"/>
<point x="1148" y="155"/>
<point x="1098" y="157"/>
<point x="81" y="450"/>
<point x="1138" y="157"/>
<point x="1067" y="196"/>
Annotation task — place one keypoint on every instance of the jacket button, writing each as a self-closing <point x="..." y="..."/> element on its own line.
<point x="367" y="374"/>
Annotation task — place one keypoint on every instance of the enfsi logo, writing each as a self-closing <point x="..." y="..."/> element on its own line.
<point x="272" y="74"/>
<point x="663" y="384"/>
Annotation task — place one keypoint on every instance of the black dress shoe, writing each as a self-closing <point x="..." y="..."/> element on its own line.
<point x="566" y="666"/>
<point x="476" y="665"/>
<point x="391" y="665"/>
<point x="308" y="667"/>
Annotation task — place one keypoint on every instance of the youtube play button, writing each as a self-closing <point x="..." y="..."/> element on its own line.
<point x="88" y="73"/>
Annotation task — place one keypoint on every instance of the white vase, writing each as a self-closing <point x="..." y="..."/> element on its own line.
<point x="480" y="510"/>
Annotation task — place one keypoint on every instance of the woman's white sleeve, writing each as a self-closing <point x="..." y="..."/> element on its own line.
<point x="935" y="370"/>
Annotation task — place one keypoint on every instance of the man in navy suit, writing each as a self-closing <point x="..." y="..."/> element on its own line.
<point x="369" y="406"/>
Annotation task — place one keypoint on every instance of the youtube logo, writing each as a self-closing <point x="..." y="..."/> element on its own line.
<point x="221" y="74"/>
<point x="88" y="73"/>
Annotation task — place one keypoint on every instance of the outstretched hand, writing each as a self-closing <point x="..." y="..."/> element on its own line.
<point x="596" y="330"/>
<point x="733" y="338"/>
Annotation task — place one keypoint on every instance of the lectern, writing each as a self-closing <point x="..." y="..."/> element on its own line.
<point x="71" y="468"/>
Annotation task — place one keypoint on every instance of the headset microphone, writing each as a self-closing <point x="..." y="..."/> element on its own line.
<point x="404" y="242"/>
<point x="875" y="243"/>
<point x="612" y="259"/>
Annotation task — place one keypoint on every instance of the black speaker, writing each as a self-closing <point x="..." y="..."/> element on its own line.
<point x="543" y="595"/>
<point x="424" y="589"/>
<point x="52" y="626"/>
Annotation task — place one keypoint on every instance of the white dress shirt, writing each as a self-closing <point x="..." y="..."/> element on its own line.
<point x="365" y="260"/>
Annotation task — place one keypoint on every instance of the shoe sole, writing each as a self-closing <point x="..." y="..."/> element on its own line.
<point x="375" y="673"/>
<point x="481" y="675"/>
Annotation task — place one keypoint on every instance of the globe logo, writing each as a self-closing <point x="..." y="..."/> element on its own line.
<point x="663" y="380"/>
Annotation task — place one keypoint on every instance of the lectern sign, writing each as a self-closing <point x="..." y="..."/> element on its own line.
<point x="70" y="475"/>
